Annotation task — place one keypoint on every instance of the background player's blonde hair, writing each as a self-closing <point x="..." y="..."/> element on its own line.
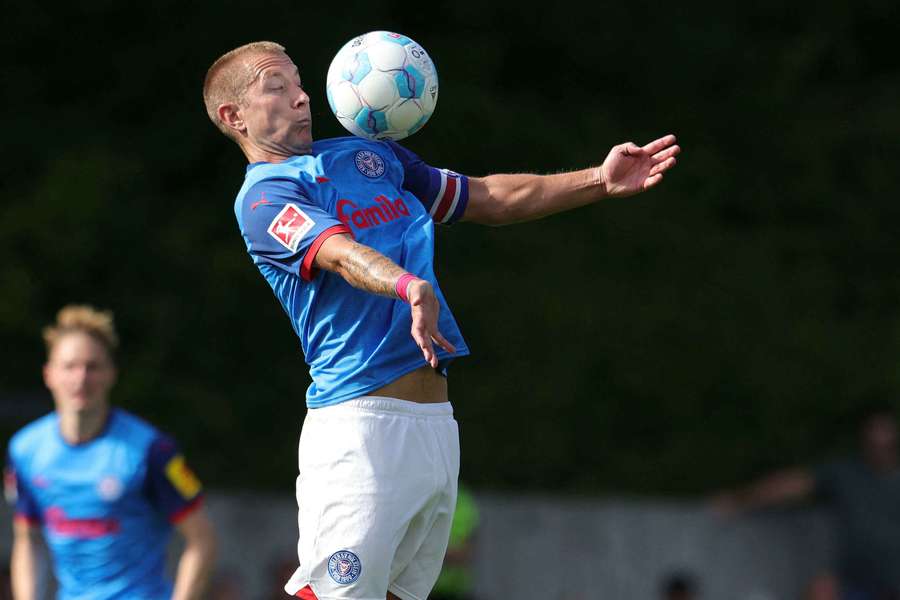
<point x="81" y="318"/>
<point x="229" y="77"/>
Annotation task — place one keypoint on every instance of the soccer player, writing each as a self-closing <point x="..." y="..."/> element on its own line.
<point x="104" y="487"/>
<point x="343" y="232"/>
<point x="863" y="491"/>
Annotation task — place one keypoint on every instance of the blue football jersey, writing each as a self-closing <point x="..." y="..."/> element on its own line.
<point x="106" y="507"/>
<point x="386" y="198"/>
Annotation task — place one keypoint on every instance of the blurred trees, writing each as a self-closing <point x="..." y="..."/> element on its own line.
<point x="722" y="324"/>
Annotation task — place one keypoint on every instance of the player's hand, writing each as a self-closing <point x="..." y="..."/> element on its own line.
<point x="724" y="505"/>
<point x="630" y="169"/>
<point x="425" y="309"/>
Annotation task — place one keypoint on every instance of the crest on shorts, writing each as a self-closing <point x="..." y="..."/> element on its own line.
<point x="344" y="567"/>
<point x="369" y="163"/>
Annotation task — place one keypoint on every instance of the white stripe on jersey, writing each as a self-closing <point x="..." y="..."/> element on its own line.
<point x="453" y="204"/>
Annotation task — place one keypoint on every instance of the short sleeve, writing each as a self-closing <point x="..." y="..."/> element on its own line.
<point x="444" y="193"/>
<point x="18" y="495"/>
<point x="284" y="228"/>
<point x="171" y="485"/>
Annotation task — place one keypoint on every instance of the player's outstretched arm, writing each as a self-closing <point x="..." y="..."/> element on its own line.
<point x="369" y="270"/>
<point x="25" y="561"/>
<point x="789" y="485"/>
<point x="197" y="558"/>
<point x="628" y="169"/>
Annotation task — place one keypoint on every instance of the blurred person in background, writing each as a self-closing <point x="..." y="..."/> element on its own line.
<point x="104" y="487"/>
<point x="5" y="583"/>
<point x="342" y="230"/>
<point x="226" y="585"/>
<point x="863" y="491"/>
<point x="456" y="579"/>
<point x="280" y="571"/>
<point x="679" y="585"/>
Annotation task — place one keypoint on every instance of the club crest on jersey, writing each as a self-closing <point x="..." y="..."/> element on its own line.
<point x="344" y="567"/>
<point x="110" y="488"/>
<point x="369" y="163"/>
<point x="290" y="226"/>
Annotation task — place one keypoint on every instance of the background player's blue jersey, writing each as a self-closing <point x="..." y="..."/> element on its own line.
<point x="386" y="198"/>
<point x="106" y="506"/>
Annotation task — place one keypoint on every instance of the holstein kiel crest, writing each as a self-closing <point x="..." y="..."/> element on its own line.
<point x="369" y="163"/>
<point x="344" y="567"/>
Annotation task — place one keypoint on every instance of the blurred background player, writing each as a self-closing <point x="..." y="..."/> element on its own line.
<point x="678" y="585"/>
<point x="104" y="487"/>
<point x="864" y="494"/>
<point x="456" y="579"/>
<point x="343" y="232"/>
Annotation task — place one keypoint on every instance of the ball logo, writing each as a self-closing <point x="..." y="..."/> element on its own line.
<point x="369" y="163"/>
<point x="344" y="567"/>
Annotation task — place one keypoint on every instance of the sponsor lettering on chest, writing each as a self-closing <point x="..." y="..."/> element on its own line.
<point x="379" y="211"/>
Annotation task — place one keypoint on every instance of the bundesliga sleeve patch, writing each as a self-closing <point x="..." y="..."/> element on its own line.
<point x="182" y="478"/>
<point x="290" y="226"/>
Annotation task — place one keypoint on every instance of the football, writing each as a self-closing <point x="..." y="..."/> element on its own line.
<point x="382" y="86"/>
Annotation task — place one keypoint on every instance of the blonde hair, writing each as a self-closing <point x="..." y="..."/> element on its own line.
<point x="229" y="77"/>
<point x="81" y="318"/>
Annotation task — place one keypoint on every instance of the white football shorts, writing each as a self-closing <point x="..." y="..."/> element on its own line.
<point x="376" y="495"/>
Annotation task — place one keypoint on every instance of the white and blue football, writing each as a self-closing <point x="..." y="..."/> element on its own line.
<point x="382" y="86"/>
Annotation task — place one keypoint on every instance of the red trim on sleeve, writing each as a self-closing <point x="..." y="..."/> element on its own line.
<point x="306" y="593"/>
<point x="181" y="514"/>
<point x="447" y="201"/>
<point x="29" y="520"/>
<point x="307" y="271"/>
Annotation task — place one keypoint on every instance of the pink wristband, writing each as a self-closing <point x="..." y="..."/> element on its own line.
<point x="403" y="283"/>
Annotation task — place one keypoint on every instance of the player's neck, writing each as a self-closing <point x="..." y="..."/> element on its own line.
<point x="83" y="426"/>
<point x="273" y="153"/>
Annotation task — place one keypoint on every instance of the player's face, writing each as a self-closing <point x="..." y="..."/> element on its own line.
<point x="276" y="109"/>
<point x="79" y="373"/>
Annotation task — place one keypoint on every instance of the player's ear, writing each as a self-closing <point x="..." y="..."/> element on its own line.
<point x="231" y="115"/>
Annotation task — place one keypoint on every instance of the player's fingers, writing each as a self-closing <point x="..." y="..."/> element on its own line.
<point x="428" y="352"/>
<point x="423" y="341"/>
<point x="667" y="153"/>
<point x="430" y="357"/>
<point x="663" y="166"/>
<point x="443" y="343"/>
<point x="652" y="181"/>
<point x="657" y="145"/>
<point x="631" y="149"/>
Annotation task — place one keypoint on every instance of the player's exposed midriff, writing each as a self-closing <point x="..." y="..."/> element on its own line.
<point x="422" y="385"/>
